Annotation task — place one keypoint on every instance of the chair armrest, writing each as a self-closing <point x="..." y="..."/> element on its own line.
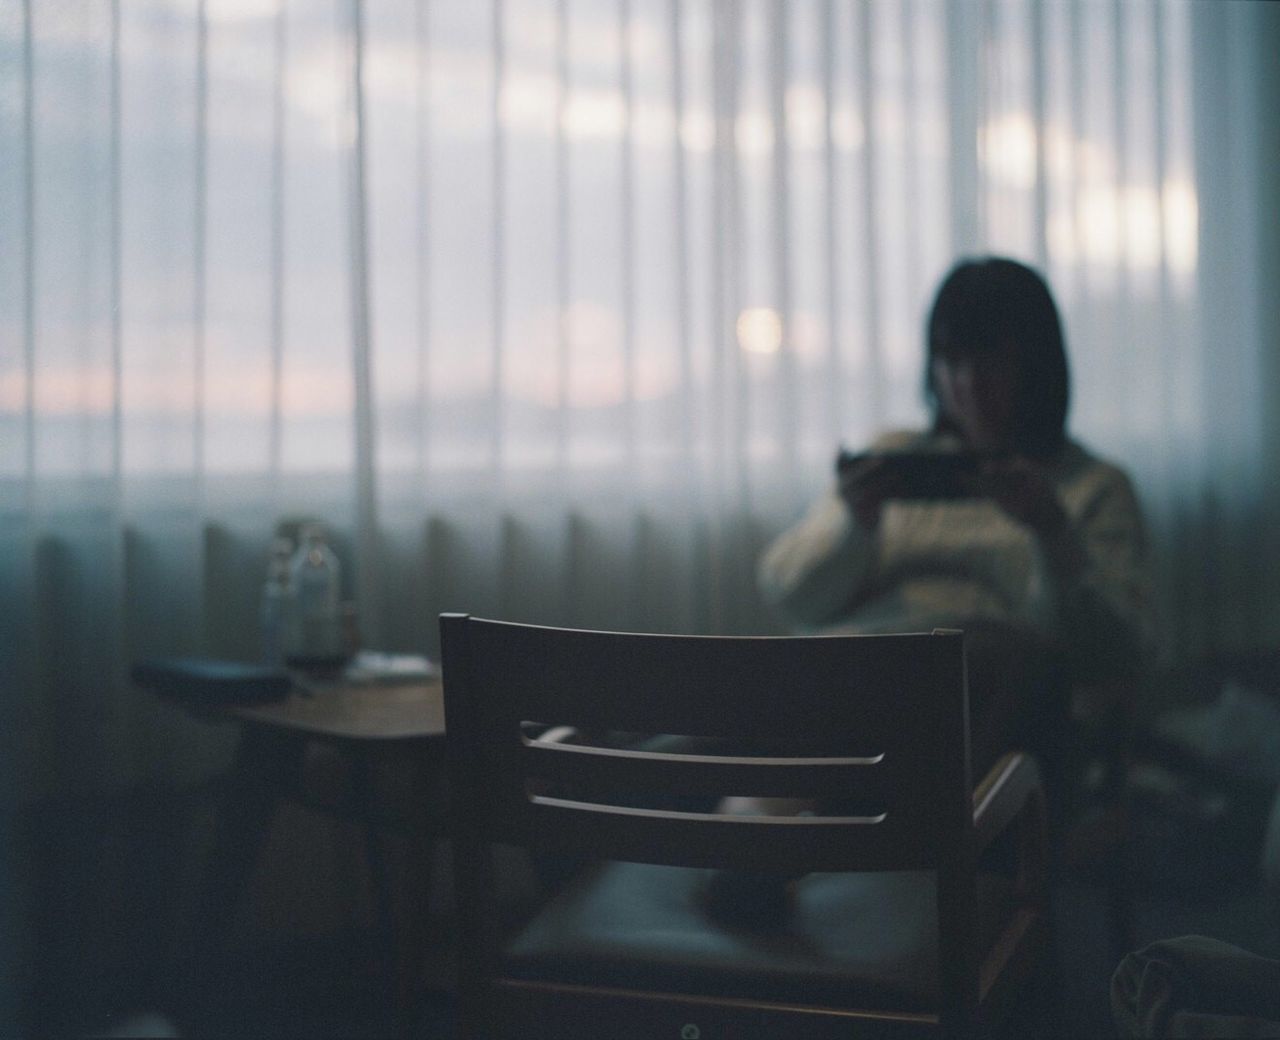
<point x="559" y="735"/>
<point x="1011" y="789"/>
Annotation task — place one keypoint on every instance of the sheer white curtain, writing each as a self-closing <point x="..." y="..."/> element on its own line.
<point x="557" y="309"/>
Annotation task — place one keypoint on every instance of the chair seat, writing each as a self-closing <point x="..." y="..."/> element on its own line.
<point x="853" y="940"/>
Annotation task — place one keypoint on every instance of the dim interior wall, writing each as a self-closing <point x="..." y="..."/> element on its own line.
<point x="1266" y="47"/>
<point x="1236" y="120"/>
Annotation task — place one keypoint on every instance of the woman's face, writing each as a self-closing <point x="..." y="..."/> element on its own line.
<point x="977" y="393"/>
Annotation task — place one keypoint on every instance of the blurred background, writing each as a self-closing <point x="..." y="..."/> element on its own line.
<point x="557" y="311"/>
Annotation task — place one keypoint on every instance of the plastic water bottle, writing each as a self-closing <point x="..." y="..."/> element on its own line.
<point x="278" y="613"/>
<point x="314" y="577"/>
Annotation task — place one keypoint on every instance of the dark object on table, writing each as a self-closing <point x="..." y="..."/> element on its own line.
<point x="201" y="680"/>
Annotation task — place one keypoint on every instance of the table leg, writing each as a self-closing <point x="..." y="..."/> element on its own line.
<point x="265" y="762"/>
<point x="404" y="936"/>
<point x="367" y="812"/>
<point x="425" y="828"/>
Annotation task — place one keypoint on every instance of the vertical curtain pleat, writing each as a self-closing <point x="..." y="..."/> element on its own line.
<point x="1036" y="48"/>
<point x="115" y="277"/>
<point x="725" y="30"/>
<point x="563" y="257"/>
<point x="1167" y="506"/>
<point x="368" y="541"/>
<point x="1076" y="174"/>
<point x="913" y="201"/>
<point x="627" y="239"/>
<point x="199" y="301"/>
<point x="278" y="270"/>
<point x="680" y="267"/>
<point x="115" y="263"/>
<point x="1229" y="230"/>
<point x="29" y="256"/>
<point x="873" y="328"/>
<point x="18" y="523"/>
<point x="788" y="413"/>
<point x="986" y="86"/>
<point x="1122" y="189"/>
<point x="733" y="386"/>
<point x="1189" y="626"/>
<point x="422" y="280"/>
<point x="117" y="576"/>
<point x="963" y="71"/>
<point x="199" y="279"/>
<point x="498" y="271"/>
<point x="834" y="284"/>
<point x="1165" y="499"/>
<point x="676" y="584"/>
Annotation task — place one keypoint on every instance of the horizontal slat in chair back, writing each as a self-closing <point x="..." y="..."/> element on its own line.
<point x="874" y="725"/>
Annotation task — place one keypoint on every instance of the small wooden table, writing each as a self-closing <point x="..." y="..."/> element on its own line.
<point x="366" y="723"/>
<point x="347" y="712"/>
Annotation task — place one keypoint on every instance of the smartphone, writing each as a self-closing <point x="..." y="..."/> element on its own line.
<point x="926" y="475"/>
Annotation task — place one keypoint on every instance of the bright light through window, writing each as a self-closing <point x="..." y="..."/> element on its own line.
<point x="760" y="330"/>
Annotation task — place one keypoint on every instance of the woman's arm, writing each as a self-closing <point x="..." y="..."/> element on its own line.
<point x="1097" y="559"/>
<point x="815" y="571"/>
<point x="1093" y="542"/>
<point x="811" y="572"/>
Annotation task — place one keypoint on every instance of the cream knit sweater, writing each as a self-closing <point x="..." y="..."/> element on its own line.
<point x="947" y="563"/>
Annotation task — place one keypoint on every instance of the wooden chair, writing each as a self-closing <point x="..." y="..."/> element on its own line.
<point x="895" y="931"/>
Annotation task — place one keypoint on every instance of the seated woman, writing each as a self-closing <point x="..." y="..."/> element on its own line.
<point x="1033" y="546"/>
<point x="1007" y="529"/>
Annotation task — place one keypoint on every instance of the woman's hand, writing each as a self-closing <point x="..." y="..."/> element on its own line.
<point x="865" y="485"/>
<point x="1024" y="491"/>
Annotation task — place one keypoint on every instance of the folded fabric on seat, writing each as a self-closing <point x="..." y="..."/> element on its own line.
<point x="1194" y="986"/>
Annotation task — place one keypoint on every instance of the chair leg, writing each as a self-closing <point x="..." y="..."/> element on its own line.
<point x="1046" y="991"/>
<point x="1036" y="1010"/>
<point x="1119" y="907"/>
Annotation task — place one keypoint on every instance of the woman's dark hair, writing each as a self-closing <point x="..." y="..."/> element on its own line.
<point x="989" y="302"/>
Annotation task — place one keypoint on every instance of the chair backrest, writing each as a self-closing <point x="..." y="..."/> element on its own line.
<point x="877" y="724"/>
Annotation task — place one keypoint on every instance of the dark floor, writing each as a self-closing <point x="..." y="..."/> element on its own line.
<point x="1190" y="870"/>
<point x="328" y="987"/>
